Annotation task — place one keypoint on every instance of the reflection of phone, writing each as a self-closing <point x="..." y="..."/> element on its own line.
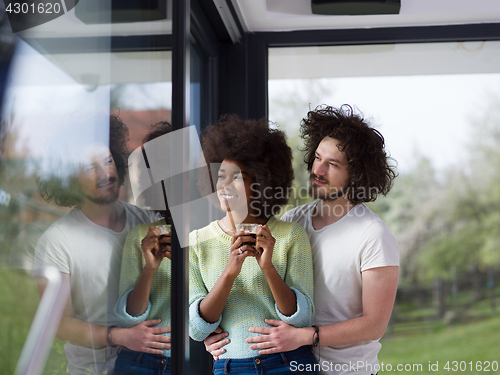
<point x="163" y="159"/>
<point x="37" y="346"/>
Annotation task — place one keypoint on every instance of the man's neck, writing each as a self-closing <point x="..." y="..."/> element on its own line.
<point x="111" y="216"/>
<point x="330" y="211"/>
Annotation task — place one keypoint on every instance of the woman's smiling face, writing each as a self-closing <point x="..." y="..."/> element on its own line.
<point x="233" y="186"/>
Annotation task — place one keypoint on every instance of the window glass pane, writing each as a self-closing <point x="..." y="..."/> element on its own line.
<point x="438" y="107"/>
<point x="55" y="127"/>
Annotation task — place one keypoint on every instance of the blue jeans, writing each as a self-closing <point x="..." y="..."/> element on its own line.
<point x="130" y="362"/>
<point x="298" y="361"/>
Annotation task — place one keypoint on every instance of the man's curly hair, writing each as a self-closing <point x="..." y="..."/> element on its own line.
<point x="157" y="130"/>
<point x="64" y="191"/>
<point x="363" y="147"/>
<point x="262" y="150"/>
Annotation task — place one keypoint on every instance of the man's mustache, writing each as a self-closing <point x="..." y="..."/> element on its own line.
<point x="319" y="178"/>
<point x="104" y="181"/>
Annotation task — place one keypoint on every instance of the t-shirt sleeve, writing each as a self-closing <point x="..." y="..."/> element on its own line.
<point x="288" y="216"/>
<point x="378" y="247"/>
<point x="52" y="250"/>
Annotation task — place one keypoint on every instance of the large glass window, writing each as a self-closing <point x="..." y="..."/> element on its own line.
<point x="438" y="107"/>
<point x="54" y="102"/>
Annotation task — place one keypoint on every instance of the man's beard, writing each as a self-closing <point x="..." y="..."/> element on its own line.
<point x="103" y="201"/>
<point x="324" y="193"/>
<point x="108" y="198"/>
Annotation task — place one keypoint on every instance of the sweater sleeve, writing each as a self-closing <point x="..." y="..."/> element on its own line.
<point x="131" y="269"/>
<point x="126" y="320"/>
<point x="199" y="329"/>
<point x="299" y="277"/>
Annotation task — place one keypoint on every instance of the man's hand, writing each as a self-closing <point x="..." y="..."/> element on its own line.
<point x="215" y="342"/>
<point x="281" y="338"/>
<point x="143" y="337"/>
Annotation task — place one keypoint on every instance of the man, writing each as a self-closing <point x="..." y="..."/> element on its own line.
<point x="355" y="256"/>
<point x="86" y="246"/>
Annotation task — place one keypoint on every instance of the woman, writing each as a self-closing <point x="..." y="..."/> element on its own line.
<point x="145" y="290"/>
<point x="236" y="280"/>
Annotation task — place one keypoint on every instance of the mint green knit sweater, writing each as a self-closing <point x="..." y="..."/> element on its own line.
<point x="132" y="264"/>
<point x="250" y="300"/>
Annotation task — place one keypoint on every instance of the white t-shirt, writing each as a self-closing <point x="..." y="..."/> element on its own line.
<point x="91" y="255"/>
<point x="341" y="251"/>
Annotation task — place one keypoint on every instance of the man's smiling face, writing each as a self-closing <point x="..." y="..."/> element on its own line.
<point x="329" y="175"/>
<point x="98" y="179"/>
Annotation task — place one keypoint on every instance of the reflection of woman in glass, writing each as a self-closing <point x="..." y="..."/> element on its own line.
<point x="145" y="289"/>
<point x="236" y="280"/>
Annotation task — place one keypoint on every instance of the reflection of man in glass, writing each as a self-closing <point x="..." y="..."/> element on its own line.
<point x="86" y="244"/>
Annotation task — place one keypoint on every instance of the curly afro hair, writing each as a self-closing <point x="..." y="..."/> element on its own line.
<point x="362" y="145"/>
<point x="262" y="150"/>
<point x="118" y="138"/>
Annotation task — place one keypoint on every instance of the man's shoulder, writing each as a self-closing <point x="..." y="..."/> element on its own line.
<point x="133" y="208"/>
<point x="368" y="222"/>
<point x="137" y="215"/>
<point x="286" y="226"/>
<point x="70" y="220"/>
<point x="299" y="212"/>
<point x="377" y="245"/>
<point x="364" y="215"/>
<point x="55" y="245"/>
